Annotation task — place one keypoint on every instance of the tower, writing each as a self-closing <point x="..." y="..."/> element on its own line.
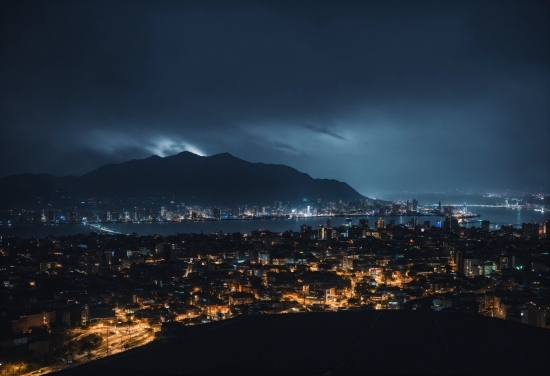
<point x="321" y="233"/>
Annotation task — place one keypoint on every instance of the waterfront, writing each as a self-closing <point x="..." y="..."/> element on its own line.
<point x="497" y="217"/>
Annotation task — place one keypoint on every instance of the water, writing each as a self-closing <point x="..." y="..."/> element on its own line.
<point x="445" y="198"/>
<point x="169" y="228"/>
<point x="497" y="217"/>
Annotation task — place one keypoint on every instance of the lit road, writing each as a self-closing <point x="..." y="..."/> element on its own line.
<point x="114" y="340"/>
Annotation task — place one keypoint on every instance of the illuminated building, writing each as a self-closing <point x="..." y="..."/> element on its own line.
<point x="321" y="232"/>
<point x="264" y="258"/>
<point x="471" y="267"/>
<point x="347" y="263"/>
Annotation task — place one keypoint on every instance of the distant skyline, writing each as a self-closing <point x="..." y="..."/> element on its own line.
<point x="384" y="95"/>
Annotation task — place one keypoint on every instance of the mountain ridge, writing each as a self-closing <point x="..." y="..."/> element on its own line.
<point x="218" y="179"/>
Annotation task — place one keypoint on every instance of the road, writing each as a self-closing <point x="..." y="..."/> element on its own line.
<point x="114" y="340"/>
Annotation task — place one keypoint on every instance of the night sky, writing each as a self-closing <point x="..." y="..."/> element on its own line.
<point x="387" y="96"/>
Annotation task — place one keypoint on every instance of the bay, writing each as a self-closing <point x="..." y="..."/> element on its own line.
<point x="497" y="217"/>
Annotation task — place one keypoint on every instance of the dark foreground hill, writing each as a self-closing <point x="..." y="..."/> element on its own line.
<point x="190" y="178"/>
<point x="342" y="343"/>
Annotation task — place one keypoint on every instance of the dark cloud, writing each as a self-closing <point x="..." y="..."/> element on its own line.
<point x="322" y="130"/>
<point x="379" y="94"/>
<point x="284" y="147"/>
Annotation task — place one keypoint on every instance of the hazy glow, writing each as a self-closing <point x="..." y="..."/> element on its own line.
<point x="165" y="146"/>
<point x="112" y="143"/>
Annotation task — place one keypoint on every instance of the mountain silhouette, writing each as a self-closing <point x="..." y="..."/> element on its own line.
<point x="220" y="179"/>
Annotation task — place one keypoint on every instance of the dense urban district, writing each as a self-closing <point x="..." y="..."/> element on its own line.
<point x="162" y="209"/>
<point x="68" y="300"/>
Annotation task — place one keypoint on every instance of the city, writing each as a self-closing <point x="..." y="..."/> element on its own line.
<point x="298" y="188"/>
<point x="106" y="210"/>
<point x="68" y="300"/>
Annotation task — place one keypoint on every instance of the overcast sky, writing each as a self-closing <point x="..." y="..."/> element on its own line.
<point x="387" y="96"/>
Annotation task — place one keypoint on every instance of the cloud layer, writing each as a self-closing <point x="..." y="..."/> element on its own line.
<point x="385" y="95"/>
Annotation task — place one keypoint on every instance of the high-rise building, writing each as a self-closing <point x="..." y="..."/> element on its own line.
<point x="364" y="223"/>
<point x="51" y="215"/>
<point x="322" y="233"/>
<point x="379" y="223"/>
<point x="216" y="213"/>
<point x="459" y="261"/>
<point x="348" y="227"/>
<point x="253" y="256"/>
<point x="264" y="258"/>
<point x="415" y="205"/>
<point x="447" y="225"/>
<point x="486" y="226"/>
<point x="530" y="229"/>
<point x="471" y="267"/>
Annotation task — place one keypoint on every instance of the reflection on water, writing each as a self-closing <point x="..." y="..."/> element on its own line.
<point x="497" y="217"/>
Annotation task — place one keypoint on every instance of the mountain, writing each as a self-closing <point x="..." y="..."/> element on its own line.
<point x="218" y="179"/>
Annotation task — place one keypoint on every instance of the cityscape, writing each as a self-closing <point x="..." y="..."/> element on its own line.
<point x="89" y="211"/>
<point x="71" y="299"/>
<point x="298" y="188"/>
